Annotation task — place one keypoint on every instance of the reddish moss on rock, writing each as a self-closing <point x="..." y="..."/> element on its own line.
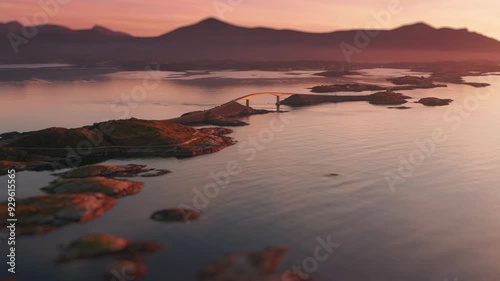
<point x="111" y="187"/>
<point x="38" y="215"/>
<point x="95" y="245"/>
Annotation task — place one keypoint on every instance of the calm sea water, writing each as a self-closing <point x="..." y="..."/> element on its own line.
<point x="440" y="222"/>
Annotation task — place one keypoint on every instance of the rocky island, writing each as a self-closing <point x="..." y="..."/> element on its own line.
<point x="402" y="84"/>
<point x="54" y="147"/>
<point x="223" y="115"/>
<point x="434" y="101"/>
<point x="379" y="98"/>
<point x="42" y="214"/>
<point x="336" y="73"/>
<point x="353" y="87"/>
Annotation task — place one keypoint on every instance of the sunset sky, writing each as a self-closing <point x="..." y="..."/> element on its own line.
<point x="154" y="17"/>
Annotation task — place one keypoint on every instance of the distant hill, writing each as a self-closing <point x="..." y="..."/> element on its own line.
<point x="212" y="39"/>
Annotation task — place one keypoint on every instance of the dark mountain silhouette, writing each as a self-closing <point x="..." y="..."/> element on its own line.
<point x="212" y="39"/>
<point x="13" y="26"/>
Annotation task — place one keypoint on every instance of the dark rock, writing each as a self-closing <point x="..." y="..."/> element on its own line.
<point x="7" y="165"/>
<point x="412" y="83"/>
<point x="456" y="75"/>
<point x="111" y="187"/>
<point x="411" y="80"/>
<point x="130" y="170"/>
<point x="218" y="120"/>
<point x="382" y="98"/>
<point x="387" y="98"/>
<point x="450" y="76"/>
<point x="9" y="135"/>
<point x="477" y="85"/>
<point x="248" y="266"/>
<point x="125" y="270"/>
<point x="127" y="138"/>
<point x="51" y="139"/>
<point x="155" y="173"/>
<point x="414" y="87"/>
<point x="96" y="245"/>
<point x="222" y="115"/>
<point x="192" y="113"/>
<point x="16" y="155"/>
<point x="176" y="215"/>
<point x="305" y="100"/>
<point x="434" y="101"/>
<point x="218" y="131"/>
<point x="404" y="83"/>
<point x="41" y="214"/>
<point x="336" y="73"/>
<point x="399" y="107"/>
<point x="355" y="87"/>
<point x="13" y="158"/>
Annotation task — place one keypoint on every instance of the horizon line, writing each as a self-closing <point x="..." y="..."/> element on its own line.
<point x="211" y="18"/>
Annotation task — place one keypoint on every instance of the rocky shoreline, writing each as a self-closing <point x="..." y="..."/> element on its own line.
<point x="223" y="115"/>
<point x="76" y="196"/>
<point x="50" y="149"/>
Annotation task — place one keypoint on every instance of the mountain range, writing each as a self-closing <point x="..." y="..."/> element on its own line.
<point x="212" y="39"/>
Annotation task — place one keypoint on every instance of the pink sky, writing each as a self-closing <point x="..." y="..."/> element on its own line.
<point x="154" y="17"/>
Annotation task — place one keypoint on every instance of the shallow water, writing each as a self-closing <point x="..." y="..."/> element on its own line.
<point x="440" y="222"/>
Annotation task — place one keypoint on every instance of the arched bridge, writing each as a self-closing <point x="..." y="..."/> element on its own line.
<point x="276" y="94"/>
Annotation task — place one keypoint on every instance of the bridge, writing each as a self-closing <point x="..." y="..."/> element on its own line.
<point x="276" y="94"/>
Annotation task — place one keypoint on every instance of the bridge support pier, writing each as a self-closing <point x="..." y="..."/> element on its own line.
<point x="277" y="103"/>
<point x="248" y="102"/>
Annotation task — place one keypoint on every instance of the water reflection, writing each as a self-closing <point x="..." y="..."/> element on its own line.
<point x="438" y="224"/>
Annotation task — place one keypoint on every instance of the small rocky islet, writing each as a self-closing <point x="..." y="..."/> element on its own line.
<point x="42" y="214"/>
<point x="129" y="253"/>
<point x="337" y="73"/>
<point x="379" y="98"/>
<point x="420" y="82"/>
<point x="96" y="245"/>
<point x="222" y="115"/>
<point x="176" y="215"/>
<point x="399" y="107"/>
<point x="405" y="83"/>
<point x="251" y="266"/>
<point x="111" y="187"/>
<point x="351" y="87"/>
<point x="431" y="101"/>
<point x="130" y="170"/>
<point x="130" y="269"/>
